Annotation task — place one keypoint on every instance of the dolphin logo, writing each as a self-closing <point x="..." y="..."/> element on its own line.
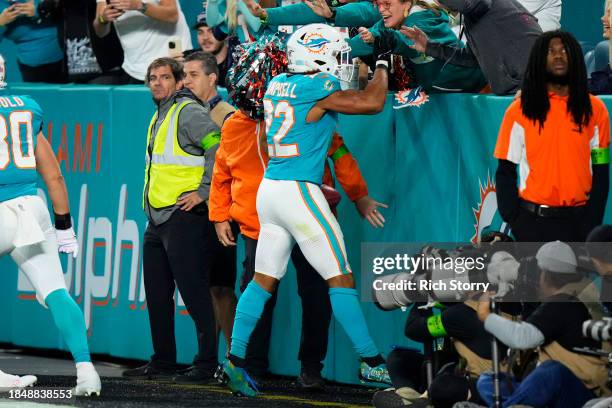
<point x="314" y="44"/>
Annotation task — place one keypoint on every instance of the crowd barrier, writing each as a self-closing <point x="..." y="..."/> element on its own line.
<point x="432" y="165"/>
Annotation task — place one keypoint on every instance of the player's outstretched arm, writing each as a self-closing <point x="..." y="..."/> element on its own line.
<point x="48" y="167"/>
<point x="369" y="101"/>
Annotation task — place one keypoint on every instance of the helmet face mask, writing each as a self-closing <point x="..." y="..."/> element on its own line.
<point x="345" y="70"/>
<point x="316" y="48"/>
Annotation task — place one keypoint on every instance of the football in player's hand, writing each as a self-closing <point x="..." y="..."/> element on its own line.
<point x="331" y="195"/>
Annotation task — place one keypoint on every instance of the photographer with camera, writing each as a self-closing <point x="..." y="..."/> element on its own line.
<point x="556" y="328"/>
<point x="469" y="356"/>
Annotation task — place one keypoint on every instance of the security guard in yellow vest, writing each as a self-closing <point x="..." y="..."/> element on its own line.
<point x="181" y="144"/>
<point x="555" y="327"/>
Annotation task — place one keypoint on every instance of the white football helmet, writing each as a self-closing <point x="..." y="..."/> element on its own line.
<point x="315" y="48"/>
<point x="2" y="73"/>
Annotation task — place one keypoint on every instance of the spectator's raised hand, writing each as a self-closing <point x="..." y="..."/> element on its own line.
<point x="256" y="9"/>
<point x="417" y="36"/>
<point x="251" y="4"/>
<point x="320" y="8"/>
<point x="111" y="13"/>
<point x="26" y="9"/>
<point x="366" y="35"/>
<point x="9" y="15"/>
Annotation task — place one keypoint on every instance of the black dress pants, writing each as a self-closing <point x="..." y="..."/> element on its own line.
<point x="529" y="227"/>
<point x="174" y="255"/>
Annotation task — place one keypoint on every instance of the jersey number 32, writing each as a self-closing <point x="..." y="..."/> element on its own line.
<point x="18" y="120"/>
<point x="271" y="112"/>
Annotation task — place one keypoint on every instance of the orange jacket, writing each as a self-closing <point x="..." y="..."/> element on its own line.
<point x="239" y="168"/>
<point x="346" y="169"/>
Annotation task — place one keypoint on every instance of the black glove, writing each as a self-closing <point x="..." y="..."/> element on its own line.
<point x="384" y="45"/>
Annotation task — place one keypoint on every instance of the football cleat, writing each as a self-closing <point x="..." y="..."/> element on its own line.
<point x="88" y="381"/>
<point x="378" y="375"/>
<point x="236" y="379"/>
<point x="9" y="381"/>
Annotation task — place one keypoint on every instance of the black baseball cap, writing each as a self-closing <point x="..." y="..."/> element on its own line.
<point x="200" y="20"/>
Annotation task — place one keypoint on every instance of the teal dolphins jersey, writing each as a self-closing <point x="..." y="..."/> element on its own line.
<point x="20" y="121"/>
<point x="297" y="149"/>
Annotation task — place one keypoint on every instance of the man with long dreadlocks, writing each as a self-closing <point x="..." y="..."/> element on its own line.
<point x="559" y="136"/>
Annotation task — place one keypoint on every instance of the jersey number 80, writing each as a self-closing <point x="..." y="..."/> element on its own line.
<point x="22" y="160"/>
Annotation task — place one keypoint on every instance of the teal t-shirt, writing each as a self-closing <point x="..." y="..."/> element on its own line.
<point x="37" y="43"/>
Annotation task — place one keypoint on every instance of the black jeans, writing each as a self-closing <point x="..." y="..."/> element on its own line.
<point x="176" y="252"/>
<point x="316" y="314"/>
<point x="53" y="73"/>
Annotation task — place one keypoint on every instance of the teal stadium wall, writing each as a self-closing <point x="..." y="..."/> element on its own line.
<point x="432" y="165"/>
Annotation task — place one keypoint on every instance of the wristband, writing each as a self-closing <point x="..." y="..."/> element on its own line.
<point x="435" y="326"/>
<point x="382" y="64"/>
<point x="600" y="156"/>
<point x="102" y="20"/>
<point x="62" y="222"/>
<point x="143" y="8"/>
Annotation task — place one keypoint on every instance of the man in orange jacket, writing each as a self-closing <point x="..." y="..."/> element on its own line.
<point x="239" y="168"/>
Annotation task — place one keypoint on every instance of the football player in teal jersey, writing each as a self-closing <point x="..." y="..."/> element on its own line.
<point x="27" y="234"/>
<point x="300" y="112"/>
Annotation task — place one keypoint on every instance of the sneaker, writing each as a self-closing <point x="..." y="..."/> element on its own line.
<point x="378" y="374"/>
<point x="403" y="397"/>
<point x="88" y="380"/>
<point x="9" y="381"/>
<point x="467" y="404"/>
<point x="149" y="372"/>
<point x="236" y="379"/>
<point x="311" y="380"/>
<point x="195" y="375"/>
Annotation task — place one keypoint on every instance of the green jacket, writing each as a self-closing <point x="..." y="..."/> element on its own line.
<point x="358" y="14"/>
<point x="430" y="73"/>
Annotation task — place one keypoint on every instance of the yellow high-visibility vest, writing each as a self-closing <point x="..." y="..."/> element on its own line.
<point x="170" y="171"/>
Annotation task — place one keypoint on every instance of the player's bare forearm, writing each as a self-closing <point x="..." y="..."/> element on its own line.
<point x="376" y="90"/>
<point x="367" y="102"/>
<point x="58" y="194"/>
<point x="48" y="167"/>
